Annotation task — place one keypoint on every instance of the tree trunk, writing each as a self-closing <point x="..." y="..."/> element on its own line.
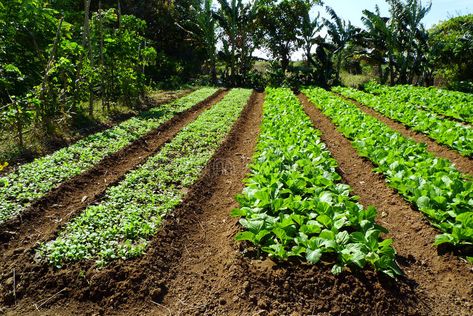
<point x="105" y="104"/>
<point x="45" y="82"/>
<point x="339" y="66"/>
<point x="91" y="59"/>
<point x="19" y="127"/>
<point x="380" y="73"/>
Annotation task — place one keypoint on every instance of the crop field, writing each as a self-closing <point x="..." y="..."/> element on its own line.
<point x="320" y="202"/>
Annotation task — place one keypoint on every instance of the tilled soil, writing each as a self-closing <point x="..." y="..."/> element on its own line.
<point x="462" y="163"/>
<point x="443" y="283"/>
<point x="194" y="266"/>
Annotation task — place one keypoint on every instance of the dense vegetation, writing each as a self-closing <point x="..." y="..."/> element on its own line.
<point x="61" y="61"/>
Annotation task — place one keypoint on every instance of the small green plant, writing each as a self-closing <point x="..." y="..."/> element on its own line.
<point x="432" y="184"/>
<point x="294" y="204"/>
<point x="33" y="180"/>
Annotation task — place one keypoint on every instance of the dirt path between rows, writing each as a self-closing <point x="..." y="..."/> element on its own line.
<point x="462" y="163"/>
<point x="202" y="274"/>
<point x="445" y="281"/>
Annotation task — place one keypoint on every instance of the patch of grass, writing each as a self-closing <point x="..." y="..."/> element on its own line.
<point x="354" y="81"/>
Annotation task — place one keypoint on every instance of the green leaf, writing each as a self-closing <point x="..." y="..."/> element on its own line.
<point x="324" y="220"/>
<point x="423" y="202"/>
<point x="313" y="256"/>
<point x="337" y="269"/>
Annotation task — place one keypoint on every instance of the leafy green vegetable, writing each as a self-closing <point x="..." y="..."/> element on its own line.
<point x="130" y="213"/>
<point x="294" y="205"/>
<point x="432" y="184"/>
<point x="454" y="104"/>
<point x="450" y="133"/>
<point x="34" y="180"/>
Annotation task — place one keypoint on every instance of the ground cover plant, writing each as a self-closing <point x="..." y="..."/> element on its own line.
<point x="453" y="104"/>
<point x="32" y="181"/>
<point x="447" y="132"/>
<point x="130" y="213"/>
<point x="432" y="184"/>
<point x="294" y="204"/>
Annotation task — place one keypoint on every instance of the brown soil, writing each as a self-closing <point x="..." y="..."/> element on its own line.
<point x="462" y="163"/>
<point x="443" y="282"/>
<point x="48" y="214"/>
<point x="194" y="266"/>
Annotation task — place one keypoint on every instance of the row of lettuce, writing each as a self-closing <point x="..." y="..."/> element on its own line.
<point x="294" y="204"/>
<point x="432" y="184"/>
<point x="34" y="180"/>
<point x="453" y="104"/>
<point x="392" y="105"/>
<point x="130" y="213"/>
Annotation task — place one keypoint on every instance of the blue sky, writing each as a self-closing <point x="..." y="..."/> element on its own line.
<point x="441" y="9"/>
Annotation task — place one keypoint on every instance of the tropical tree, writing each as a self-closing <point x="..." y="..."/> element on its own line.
<point x="281" y="22"/>
<point x="400" y="40"/>
<point x="239" y="37"/>
<point x="340" y="32"/>
<point x="378" y="42"/>
<point x="451" y="44"/>
<point x="310" y="29"/>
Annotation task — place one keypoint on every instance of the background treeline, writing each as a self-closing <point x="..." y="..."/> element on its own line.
<point x="64" y="60"/>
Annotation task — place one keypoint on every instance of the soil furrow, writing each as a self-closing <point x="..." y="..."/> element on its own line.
<point x="445" y="281"/>
<point x="462" y="163"/>
<point x="201" y="275"/>
<point x="50" y="213"/>
<point x="133" y="286"/>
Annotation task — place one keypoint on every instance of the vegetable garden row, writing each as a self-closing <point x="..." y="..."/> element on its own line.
<point x="34" y="180"/>
<point x="440" y="129"/>
<point x="294" y="203"/>
<point x="457" y="105"/>
<point x="295" y="206"/>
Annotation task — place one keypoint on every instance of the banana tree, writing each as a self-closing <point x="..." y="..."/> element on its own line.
<point x="340" y="32"/>
<point x="236" y="20"/>
<point x="310" y="28"/>
<point x="201" y="31"/>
